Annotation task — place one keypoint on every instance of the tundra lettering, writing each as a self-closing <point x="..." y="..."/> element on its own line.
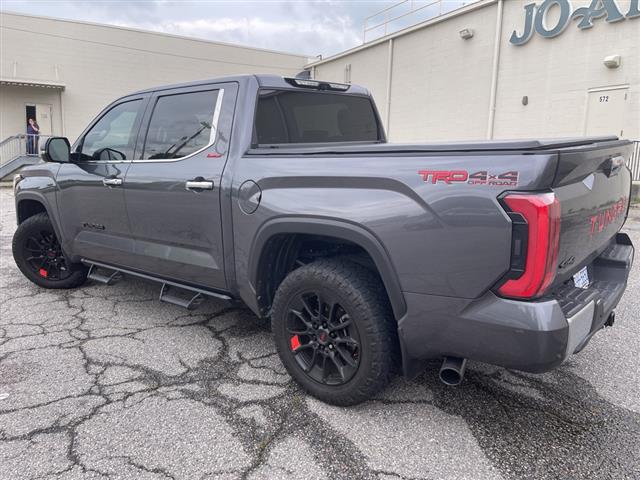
<point x="604" y="218"/>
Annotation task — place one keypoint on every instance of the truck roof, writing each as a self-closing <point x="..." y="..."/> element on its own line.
<point x="264" y="81"/>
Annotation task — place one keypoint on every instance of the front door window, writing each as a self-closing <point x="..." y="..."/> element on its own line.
<point x="113" y="137"/>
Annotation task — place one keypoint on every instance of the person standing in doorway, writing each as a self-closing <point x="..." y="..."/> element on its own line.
<point x="33" y="130"/>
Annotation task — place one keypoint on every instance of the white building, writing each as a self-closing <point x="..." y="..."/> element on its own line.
<point x="458" y="76"/>
<point x="64" y="72"/>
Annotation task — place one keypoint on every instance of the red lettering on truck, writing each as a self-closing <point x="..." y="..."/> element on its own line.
<point x="606" y="217"/>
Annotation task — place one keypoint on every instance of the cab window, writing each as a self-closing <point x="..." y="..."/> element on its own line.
<point x="285" y="116"/>
<point x="113" y="137"/>
<point x="180" y="125"/>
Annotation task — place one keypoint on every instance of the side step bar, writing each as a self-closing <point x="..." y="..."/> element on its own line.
<point x="194" y="301"/>
<point x="97" y="276"/>
<point x="193" y="298"/>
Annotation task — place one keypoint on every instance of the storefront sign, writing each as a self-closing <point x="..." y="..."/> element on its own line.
<point x="535" y="19"/>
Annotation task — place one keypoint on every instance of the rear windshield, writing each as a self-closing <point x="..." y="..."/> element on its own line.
<point x="285" y="116"/>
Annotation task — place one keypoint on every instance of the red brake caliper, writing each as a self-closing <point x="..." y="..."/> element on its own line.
<point x="295" y="343"/>
<point x="43" y="273"/>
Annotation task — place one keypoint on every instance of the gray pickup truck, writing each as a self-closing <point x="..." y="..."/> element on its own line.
<point x="283" y="193"/>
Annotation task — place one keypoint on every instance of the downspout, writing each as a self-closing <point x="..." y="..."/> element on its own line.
<point x="62" y="126"/>
<point x="494" y="71"/>
<point x="389" y="76"/>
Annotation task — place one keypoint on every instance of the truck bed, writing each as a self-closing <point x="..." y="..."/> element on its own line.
<point x="419" y="148"/>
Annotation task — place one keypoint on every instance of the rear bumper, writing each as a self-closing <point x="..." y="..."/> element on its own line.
<point x="530" y="336"/>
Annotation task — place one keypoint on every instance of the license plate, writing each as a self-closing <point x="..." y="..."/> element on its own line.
<point x="581" y="279"/>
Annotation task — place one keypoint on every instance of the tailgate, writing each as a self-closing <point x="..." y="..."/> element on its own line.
<point x="593" y="186"/>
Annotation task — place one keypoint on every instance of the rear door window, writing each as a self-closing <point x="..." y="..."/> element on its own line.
<point x="285" y="116"/>
<point x="180" y="125"/>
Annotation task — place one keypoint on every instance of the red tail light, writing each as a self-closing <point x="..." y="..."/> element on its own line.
<point x="542" y="215"/>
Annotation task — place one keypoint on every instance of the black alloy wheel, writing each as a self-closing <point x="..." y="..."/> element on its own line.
<point x="40" y="258"/>
<point x="323" y="339"/>
<point x="45" y="255"/>
<point x="335" y="331"/>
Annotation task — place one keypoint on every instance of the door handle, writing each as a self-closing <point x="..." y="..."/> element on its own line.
<point x="199" y="185"/>
<point x="110" y="182"/>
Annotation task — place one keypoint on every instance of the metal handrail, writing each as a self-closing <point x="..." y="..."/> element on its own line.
<point x="413" y="9"/>
<point x="7" y="140"/>
<point x="21" y="145"/>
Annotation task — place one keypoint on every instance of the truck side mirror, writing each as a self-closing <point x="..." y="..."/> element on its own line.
<point x="57" y="149"/>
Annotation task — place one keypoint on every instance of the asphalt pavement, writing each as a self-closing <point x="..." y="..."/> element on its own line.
<point x="106" y="382"/>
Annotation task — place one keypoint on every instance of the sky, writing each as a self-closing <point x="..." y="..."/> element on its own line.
<point x="308" y="27"/>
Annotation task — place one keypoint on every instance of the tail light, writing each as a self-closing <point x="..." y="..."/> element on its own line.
<point x="536" y="219"/>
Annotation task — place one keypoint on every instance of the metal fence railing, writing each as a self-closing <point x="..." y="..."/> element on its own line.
<point x="21" y="145"/>
<point x="406" y="13"/>
<point x="634" y="162"/>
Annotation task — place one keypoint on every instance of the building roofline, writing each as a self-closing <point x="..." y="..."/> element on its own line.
<point x="427" y="23"/>
<point x="152" y="32"/>
<point x="29" y="82"/>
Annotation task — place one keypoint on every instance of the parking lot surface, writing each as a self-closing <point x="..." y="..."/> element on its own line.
<point x="107" y="382"/>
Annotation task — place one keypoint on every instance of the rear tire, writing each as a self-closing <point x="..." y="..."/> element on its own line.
<point x="38" y="255"/>
<point x="334" y="331"/>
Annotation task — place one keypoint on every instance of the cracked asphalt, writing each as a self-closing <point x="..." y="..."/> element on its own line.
<point x="106" y="382"/>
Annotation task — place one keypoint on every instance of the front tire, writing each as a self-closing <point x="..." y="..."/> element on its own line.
<point x="334" y="331"/>
<point x="38" y="255"/>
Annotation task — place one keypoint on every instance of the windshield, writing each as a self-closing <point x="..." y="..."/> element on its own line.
<point x="286" y="116"/>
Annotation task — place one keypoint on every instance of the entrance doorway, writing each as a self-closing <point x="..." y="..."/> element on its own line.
<point x="41" y="113"/>
<point x="606" y="111"/>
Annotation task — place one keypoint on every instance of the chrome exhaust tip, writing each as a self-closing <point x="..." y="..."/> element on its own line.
<point x="452" y="370"/>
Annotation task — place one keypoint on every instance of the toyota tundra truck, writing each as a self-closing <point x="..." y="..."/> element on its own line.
<point x="283" y="194"/>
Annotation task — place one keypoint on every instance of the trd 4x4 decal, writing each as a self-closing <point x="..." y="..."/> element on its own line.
<point x="482" y="177"/>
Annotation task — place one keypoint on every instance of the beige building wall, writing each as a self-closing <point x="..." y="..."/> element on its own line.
<point x="440" y="85"/>
<point x="13" y="102"/>
<point x="556" y="74"/>
<point x="98" y="63"/>
<point x="369" y="68"/>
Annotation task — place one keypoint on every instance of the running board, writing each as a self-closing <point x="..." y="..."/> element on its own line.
<point x="96" y="276"/>
<point x="194" y="300"/>
<point x="194" y="296"/>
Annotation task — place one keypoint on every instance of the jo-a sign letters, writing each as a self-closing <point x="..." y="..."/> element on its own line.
<point x="535" y="19"/>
